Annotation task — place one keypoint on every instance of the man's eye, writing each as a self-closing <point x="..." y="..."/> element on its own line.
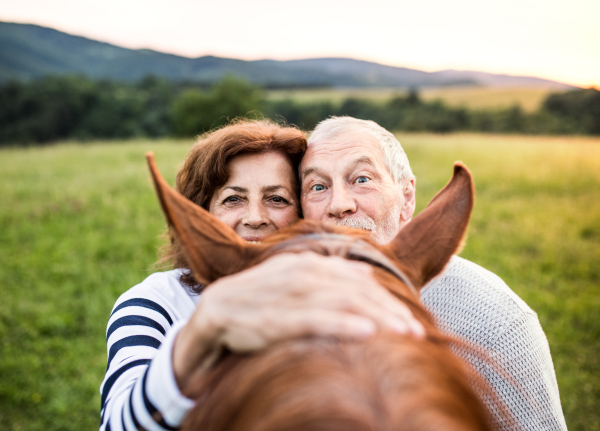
<point x="361" y="180"/>
<point x="318" y="187"/>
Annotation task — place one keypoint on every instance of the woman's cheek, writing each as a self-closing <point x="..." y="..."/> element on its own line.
<point x="286" y="217"/>
<point x="230" y="216"/>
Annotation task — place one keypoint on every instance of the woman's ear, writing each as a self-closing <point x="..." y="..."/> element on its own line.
<point x="426" y="244"/>
<point x="212" y="248"/>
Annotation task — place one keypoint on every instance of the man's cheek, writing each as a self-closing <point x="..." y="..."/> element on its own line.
<point x="372" y="206"/>
<point x="312" y="210"/>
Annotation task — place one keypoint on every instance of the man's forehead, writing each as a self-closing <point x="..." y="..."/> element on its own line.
<point x="353" y="144"/>
<point x="358" y="137"/>
<point x="341" y="150"/>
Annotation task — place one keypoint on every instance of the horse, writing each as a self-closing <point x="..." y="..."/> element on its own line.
<point x="385" y="382"/>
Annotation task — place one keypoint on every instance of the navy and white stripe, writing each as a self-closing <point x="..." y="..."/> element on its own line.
<point x="139" y="390"/>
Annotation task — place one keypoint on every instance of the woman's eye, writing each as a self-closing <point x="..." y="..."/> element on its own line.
<point x="361" y="180"/>
<point x="278" y="200"/>
<point x="231" y="199"/>
<point x="318" y="187"/>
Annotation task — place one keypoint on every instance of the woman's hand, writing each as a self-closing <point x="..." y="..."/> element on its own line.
<point x="287" y="296"/>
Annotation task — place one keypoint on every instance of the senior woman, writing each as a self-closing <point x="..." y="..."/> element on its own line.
<point x="165" y="332"/>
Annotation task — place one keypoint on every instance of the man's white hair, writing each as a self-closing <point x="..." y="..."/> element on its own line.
<point x="394" y="155"/>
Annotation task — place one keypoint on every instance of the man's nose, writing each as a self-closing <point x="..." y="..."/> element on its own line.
<point x="256" y="215"/>
<point x="342" y="203"/>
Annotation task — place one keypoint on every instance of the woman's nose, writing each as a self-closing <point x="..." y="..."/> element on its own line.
<point x="256" y="215"/>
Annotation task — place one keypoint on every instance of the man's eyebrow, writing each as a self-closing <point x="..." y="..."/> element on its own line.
<point x="366" y="159"/>
<point x="306" y="172"/>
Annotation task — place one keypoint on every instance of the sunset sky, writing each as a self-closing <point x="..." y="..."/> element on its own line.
<point x="558" y="40"/>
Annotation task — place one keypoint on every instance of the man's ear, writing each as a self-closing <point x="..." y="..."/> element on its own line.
<point x="211" y="248"/>
<point x="408" y="209"/>
<point x="426" y="244"/>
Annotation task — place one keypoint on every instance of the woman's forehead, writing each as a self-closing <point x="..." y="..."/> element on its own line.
<point x="260" y="170"/>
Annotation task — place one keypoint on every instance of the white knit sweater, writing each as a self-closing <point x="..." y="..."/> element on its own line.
<point x="475" y="304"/>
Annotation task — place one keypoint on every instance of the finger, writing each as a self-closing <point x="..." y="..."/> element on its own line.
<point x="257" y="335"/>
<point x="386" y="318"/>
<point x="384" y="298"/>
<point x="373" y="291"/>
<point x="326" y="323"/>
<point x="349" y="286"/>
<point x="358" y="303"/>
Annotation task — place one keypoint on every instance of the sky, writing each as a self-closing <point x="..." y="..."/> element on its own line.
<point x="557" y="40"/>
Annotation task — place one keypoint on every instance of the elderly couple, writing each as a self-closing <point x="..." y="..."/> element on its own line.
<point x="258" y="177"/>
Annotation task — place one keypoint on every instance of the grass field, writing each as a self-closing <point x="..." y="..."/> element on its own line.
<point x="79" y="226"/>
<point x="473" y="97"/>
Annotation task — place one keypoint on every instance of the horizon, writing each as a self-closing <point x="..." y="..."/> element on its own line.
<point x="533" y="47"/>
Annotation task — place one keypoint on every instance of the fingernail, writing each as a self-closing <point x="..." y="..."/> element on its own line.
<point x="400" y="326"/>
<point x="418" y="329"/>
<point x="366" y="328"/>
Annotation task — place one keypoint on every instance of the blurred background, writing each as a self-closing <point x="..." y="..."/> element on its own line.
<point x="87" y="87"/>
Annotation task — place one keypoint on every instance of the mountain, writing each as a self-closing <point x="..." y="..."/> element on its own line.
<point x="30" y="51"/>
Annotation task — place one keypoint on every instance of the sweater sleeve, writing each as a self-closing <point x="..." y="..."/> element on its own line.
<point x="522" y="352"/>
<point x="477" y="306"/>
<point x="139" y="389"/>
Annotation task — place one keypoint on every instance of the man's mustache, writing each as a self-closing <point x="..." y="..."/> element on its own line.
<point x="358" y="223"/>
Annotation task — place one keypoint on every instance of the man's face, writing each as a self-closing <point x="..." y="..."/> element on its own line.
<point x="345" y="181"/>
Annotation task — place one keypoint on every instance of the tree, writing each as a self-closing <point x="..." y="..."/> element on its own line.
<point x="197" y="111"/>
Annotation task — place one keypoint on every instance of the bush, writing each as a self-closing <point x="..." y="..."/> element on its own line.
<point x="580" y="107"/>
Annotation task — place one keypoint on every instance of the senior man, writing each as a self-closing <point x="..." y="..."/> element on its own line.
<point x="355" y="173"/>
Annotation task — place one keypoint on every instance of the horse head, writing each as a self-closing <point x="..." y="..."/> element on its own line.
<point x="386" y="382"/>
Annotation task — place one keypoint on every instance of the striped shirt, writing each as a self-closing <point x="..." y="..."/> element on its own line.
<point x="139" y="390"/>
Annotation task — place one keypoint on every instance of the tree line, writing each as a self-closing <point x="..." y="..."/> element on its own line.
<point x="76" y="107"/>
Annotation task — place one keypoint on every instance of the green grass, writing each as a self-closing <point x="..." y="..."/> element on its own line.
<point x="79" y="226"/>
<point x="472" y="97"/>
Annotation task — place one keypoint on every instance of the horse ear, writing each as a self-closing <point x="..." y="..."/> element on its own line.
<point x="211" y="248"/>
<point x="426" y="244"/>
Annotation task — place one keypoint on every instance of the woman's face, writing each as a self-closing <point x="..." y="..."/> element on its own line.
<point x="259" y="197"/>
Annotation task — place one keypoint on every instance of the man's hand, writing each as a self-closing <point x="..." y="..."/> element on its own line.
<point x="287" y="296"/>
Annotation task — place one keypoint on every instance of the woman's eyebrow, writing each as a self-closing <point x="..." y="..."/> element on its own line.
<point x="267" y="189"/>
<point x="236" y="189"/>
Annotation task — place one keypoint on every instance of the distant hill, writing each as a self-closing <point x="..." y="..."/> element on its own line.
<point x="30" y="51"/>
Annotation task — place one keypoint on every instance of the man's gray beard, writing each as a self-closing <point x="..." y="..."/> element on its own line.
<point x="382" y="234"/>
<point x="358" y="223"/>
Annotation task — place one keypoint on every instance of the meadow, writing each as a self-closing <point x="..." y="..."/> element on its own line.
<point x="80" y="225"/>
<point x="472" y="97"/>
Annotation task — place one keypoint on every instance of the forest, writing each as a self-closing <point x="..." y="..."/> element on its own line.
<point x="78" y="108"/>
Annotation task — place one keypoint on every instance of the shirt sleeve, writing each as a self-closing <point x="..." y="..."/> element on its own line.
<point x="139" y="389"/>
